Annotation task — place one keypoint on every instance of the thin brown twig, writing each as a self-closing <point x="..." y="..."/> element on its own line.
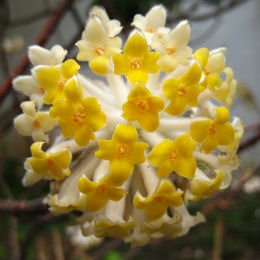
<point x="41" y="39"/>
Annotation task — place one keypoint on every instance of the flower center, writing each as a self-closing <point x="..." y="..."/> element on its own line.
<point x="42" y="90"/>
<point x="135" y="65"/>
<point x="101" y="188"/>
<point x="50" y="162"/>
<point x="170" y="51"/>
<point x="100" y="51"/>
<point x="62" y="84"/>
<point x="149" y="30"/>
<point x="158" y="198"/>
<point x="206" y="71"/>
<point x="181" y="91"/>
<point x="142" y="105"/>
<point x="212" y="130"/>
<point x="173" y="154"/>
<point x="123" y="148"/>
<point x="79" y="116"/>
<point x="36" y="123"/>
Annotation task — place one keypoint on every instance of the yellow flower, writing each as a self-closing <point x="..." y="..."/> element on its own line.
<point x="123" y="151"/>
<point x="54" y="78"/>
<point x="183" y="91"/>
<point x="213" y="64"/>
<point x="136" y="61"/>
<point x="156" y="204"/>
<point x="78" y="116"/>
<point x="97" y="47"/>
<point x="53" y="164"/>
<point x="212" y="133"/>
<point x="202" y="187"/>
<point x="143" y="107"/>
<point x="99" y="193"/>
<point x="175" y="156"/>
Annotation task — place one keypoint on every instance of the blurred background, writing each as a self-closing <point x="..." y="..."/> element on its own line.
<point x="29" y="231"/>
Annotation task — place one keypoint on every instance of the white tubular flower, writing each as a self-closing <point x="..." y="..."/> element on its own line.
<point x="131" y="150"/>
<point x="112" y="27"/>
<point x="41" y="56"/>
<point x="97" y="47"/>
<point x="32" y="123"/>
<point x="31" y="88"/>
<point x="153" y="21"/>
<point x="173" y="47"/>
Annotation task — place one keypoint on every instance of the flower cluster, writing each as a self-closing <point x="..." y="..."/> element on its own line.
<point x="136" y="146"/>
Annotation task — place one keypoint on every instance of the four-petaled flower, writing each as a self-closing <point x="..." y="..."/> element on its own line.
<point x="173" y="47"/>
<point x="183" y="91"/>
<point x="123" y="151"/>
<point x="136" y="61"/>
<point x="54" y="165"/>
<point x="98" y="194"/>
<point x="32" y="123"/>
<point x="156" y="204"/>
<point x="78" y="116"/>
<point x="143" y="107"/>
<point x="97" y="47"/>
<point x="175" y="156"/>
<point x="54" y="78"/>
<point x="213" y="64"/>
<point x="211" y="133"/>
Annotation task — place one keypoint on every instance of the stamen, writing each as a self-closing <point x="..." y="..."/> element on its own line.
<point x="158" y="198"/>
<point x="212" y="129"/>
<point x="101" y="188"/>
<point x="181" y="91"/>
<point x="36" y="123"/>
<point x="170" y="51"/>
<point x="123" y="148"/>
<point x="173" y="154"/>
<point x="142" y="105"/>
<point x="149" y="30"/>
<point x="79" y="116"/>
<point x="135" y="65"/>
<point x="100" y="51"/>
<point x="42" y="90"/>
<point x="50" y="162"/>
<point x="61" y="84"/>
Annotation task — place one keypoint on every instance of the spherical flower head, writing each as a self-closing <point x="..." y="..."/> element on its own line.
<point x="123" y="152"/>
<point x="143" y="107"/>
<point x="78" y="116"/>
<point x="211" y="133"/>
<point x="176" y="156"/>
<point x="136" y="61"/>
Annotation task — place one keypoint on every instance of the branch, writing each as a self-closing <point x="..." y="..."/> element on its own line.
<point x="42" y="38"/>
<point x="17" y="207"/>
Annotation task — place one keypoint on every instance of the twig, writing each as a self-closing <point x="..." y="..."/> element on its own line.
<point x="44" y="35"/>
<point x="13" y="239"/>
<point x="250" y="140"/>
<point x="218" y="237"/>
<point x="57" y="245"/>
<point x="25" y="207"/>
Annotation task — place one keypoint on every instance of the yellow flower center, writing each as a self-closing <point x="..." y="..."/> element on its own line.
<point x="158" y="198"/>
<point x="123" y="148"/>
<point x="181" y="91"/>
<point x="100" y="51"/>
<point x="173" y="154"/>
<point x="149" y="30"/>
<point x="79" y="116"/>
<point x="212" y="130"/>
<point x="135" y="65"/>
<point x="101" y="188"/>
<point x="142" y="105"/>
<point x="206" y="71"/>
<point x="170" y="51"/>
<point x="36" y="123"/>
<point x="42" y="90"/>
<point x="61" y="84"/>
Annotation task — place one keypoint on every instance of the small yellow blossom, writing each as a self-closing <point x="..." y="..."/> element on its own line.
<point x="54" y="78"/>
<point x="183" y="91"/>
<point x="98" y="194"/>
<point x="136" y="61"/>
<point x="156" y="204"/>
<point x="175" y="156"/>
<point x="211" y="133"/>
<point x="53" y="164"/>
<point x="32" y="123"/>
<point x="78" y="116"/>
<point x="213" y="64"/>
<point x="97" y="47"/>
<point x="172" y="47"/>
<point x="143" y="107"/>
<point x="202" y="187"/>
<point x="123" y="151"/>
